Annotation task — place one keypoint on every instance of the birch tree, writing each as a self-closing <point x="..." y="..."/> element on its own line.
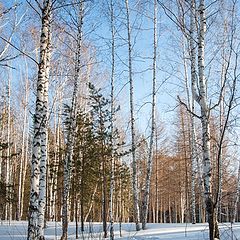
<point x="194" y="154"/>
<point x="71" y="125"/>
<point x="211" y="202"/>
<point x="8" y="211"/>
<point x="153" y="124"/>
<point x="237" y="195"/>
<point x="53" y="181"/>
<point x="132" y="120"/>
<point x="202" y="100"/>
<point x="112" y="121"/>
<point x="39" y="152"/>
<point x="200" y="89"/>
<point x="44" y="134"/>
<point x="22" y="170"/>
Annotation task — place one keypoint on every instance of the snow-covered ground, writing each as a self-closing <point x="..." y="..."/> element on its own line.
<point x="18" y="230"/>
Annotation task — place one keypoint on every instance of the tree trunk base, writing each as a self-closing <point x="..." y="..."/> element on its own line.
<point x="212" y="220"/>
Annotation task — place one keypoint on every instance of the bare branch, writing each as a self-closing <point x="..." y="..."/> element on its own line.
<point x="39" y="5"/>
<point x="230" y="106"/>
<point x="172" y="16"/>
<point x="25" y="54"/>
<point x="69" y="4"/>
<point x="8" y="10"/>
<point x="187" y="108"/>
<point x="34" y="8"/>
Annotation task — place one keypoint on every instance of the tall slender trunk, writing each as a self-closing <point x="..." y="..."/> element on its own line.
<point x="205" y="112"/>
<point x="53" y="179"/>
<point x="81" y="156"/>
<point x="201" y="192"/>
<point x="221" y="124"/>
<point x="82" y="209"/>
<point x="185" y="158"/>
<point x="132" y="119"/>
<point x="112" y="182"/>
<point x="91" y="203"/>
<point x="235" y="210"/>
<point x="8" y="212"/>
<point x="25" y="167"/>
<point x="156" y="179"/>
<point x="121" y="205"/>
<point x="104" y="196"/>
<point x="51" y="168"/>
<point x="76" y="202"/>
<point x="23" y="149"/>
<point x="71" y="128"/>
<point x="194" y="154"/>
<point x="56" y="161"/>
<point x="44" y="133"/>
<point x="150" y="156"/>
<point x="39" y="153"/>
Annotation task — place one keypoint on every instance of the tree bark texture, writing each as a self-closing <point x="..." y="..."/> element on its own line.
<point x="194" y="154"/>
<point x="39" y="152"/>
<point x="205" y="112"/>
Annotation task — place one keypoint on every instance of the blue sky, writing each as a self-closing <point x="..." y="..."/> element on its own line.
<point x="170" y="81"/>
<point x="167" y="82"/>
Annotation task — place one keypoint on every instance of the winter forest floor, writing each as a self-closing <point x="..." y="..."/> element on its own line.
<point x="18" y="230"/>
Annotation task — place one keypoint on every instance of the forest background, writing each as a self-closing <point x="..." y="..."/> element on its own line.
<point x="123" y="137"/>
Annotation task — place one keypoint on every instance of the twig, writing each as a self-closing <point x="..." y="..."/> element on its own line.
<point x="5" y="40"/>
<point x="187" y="108"/>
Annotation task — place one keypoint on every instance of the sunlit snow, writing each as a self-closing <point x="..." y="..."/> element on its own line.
<point x="18" y="230"/>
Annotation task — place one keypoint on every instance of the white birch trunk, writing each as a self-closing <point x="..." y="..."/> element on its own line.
<point x="24" y="170"/>
<point x="71" y="130"/>
<point x="23" y="149"/>
<point x="2" y="141"/>
<point x="91" y="203"/>
<point x="150" y="156"/>
<point x="8" y="212"/>
<point x="132" y="119"/>
<point x="25" y="167"/>
<point x="199" y="99"/>
<point x="54" y="179"/>
<point x="194" y="154"/>
<point x="44" y="128"/>
<point x="156" y="179"/>
<point x="237" y="196"/>
<point x="203" y="102"/>
<point x="205" y="112"/>
<point x="39" y="154"/>
<point x="194" y="157"/>
<point x="51" y="173"/>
